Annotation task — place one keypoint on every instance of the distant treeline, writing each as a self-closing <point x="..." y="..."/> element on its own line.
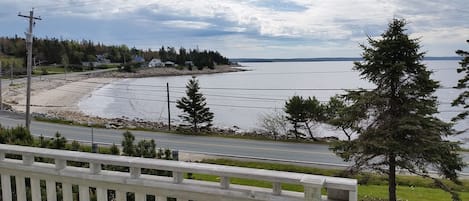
<point x="323" y="59"/>
<point x="57" y="51"/>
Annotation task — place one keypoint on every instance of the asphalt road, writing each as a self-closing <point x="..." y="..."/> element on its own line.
<point x="266" y="150"/>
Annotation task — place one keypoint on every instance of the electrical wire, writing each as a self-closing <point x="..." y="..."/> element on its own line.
<point x="210" y="95"/>
<point x="219" y="105"/>
<point x="249" y="89"/>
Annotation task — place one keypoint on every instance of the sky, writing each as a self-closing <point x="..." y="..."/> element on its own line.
<point x="244" y="28"/>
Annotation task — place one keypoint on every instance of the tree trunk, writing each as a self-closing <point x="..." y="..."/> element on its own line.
<point x="392" y="178"/>
<point x="295" y="126"/>
<point x="309" y="131"/>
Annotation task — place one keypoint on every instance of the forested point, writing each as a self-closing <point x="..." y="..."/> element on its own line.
<point x="49" y="51"/>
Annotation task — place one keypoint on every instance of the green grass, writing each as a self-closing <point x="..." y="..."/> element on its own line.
<point x="6" y="61"/>
<point x="407" y="193"/>
<point x="372" y="186"/>
<point x="50" y="70"/>
<point x="365" y="192"/>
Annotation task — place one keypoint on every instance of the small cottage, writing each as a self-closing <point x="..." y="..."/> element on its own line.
<point x="155" y="63"/>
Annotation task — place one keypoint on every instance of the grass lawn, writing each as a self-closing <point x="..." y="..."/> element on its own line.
<point x="407" y="193"/>
<point x="372" y="186"/>
<point x="50" y="70"/>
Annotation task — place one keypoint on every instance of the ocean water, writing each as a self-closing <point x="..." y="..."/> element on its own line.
<point x="241" y="98"/>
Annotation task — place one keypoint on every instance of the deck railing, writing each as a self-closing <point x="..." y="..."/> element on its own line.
<point x="23" y="163"/>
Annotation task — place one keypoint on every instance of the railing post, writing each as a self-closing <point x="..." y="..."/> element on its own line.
<point x="135" y="172"/>
<point x="2" y="156"/>
<point x="139" y="196"/>
<point x="339" y="194"/>
<point x="20" y="188"/>
<point x="6" y="187"/>
<point x="35" y="189"/>
<point x="67" y="194"/>
<point x="84" y="193"/>
<point x="277" y="188"/>
<point x="178" y="177"/>
<point x="225" y="182"/>
<point x="95" y="168"/>
<point x="51" y="190"/>
<point x="28" y="159"/>
<point x="352" y="195"/>
<point x="121" y="195"/>
<point x="60" y="164"/>
<point x="312" y="187"/>
<point x="101" y="194"/>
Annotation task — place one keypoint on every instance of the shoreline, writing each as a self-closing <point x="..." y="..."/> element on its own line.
<point x="58" y="99"/>
<point x="172" y="71"/>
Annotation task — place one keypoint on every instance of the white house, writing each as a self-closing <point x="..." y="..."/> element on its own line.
<point x="155" y="63"/>
<point x="169" y="64"/>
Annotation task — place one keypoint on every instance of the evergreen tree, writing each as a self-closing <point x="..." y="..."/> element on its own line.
<point x="194" y="107"/>
<point x="128" y="147"/>
<point x="344" y="117"/>
<point x="463" y="98"/>
<point x="398" y="127"/>
<point x="58" y="142"/>
<point x="304" y="113"/>
<point x="146" y="149"/>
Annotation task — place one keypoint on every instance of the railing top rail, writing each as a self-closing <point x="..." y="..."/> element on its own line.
<point x="177" y="166"/>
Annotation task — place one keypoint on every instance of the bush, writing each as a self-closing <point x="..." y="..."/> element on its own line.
<point x="58" y="142"/>
<point x="75" y="146"/>
<point x="44" y="71"/>
<point x="17" y="135"/>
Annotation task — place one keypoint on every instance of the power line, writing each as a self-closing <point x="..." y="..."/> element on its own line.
<point x="157" y="100"/>
<point x="211" y="95"/>
<point x="247" y="89"/>
<point x="219" y="105"/>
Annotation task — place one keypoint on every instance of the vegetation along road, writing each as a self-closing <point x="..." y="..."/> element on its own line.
<point x="265" y="150"/>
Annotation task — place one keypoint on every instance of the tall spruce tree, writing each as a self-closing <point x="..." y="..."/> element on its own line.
<point x="194" y="107"/>
<point x="398" y="127"/>
<point x="463" y="98"/>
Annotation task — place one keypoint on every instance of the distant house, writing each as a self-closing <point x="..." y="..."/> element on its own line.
<point x="169" y="64"/>
<point x="100" y="60"/>
<point x="138" y="59"/>
<point x="155" y="63"/>
<point x="189" y="63"/>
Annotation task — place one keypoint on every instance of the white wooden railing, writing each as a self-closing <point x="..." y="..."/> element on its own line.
<point x="119" y="183"/>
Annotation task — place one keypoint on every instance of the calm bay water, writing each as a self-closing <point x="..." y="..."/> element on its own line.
<point x="241" y="98"/>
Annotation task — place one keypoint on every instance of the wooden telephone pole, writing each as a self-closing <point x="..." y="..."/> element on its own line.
<point x="29" y="48"/>
<point x="1" y="100"/>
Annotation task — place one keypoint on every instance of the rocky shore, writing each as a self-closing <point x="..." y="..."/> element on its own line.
<point x="163" y="71"/>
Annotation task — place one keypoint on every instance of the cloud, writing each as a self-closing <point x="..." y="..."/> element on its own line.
<point x="187" y="24"/>
<point x="281" y="25"/>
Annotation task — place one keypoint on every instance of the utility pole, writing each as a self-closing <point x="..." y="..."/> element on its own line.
<point x="11" y="74"/>
<point x="169" y="110"/>
<point x="1" y="100"/>
<point x="29" y="48"/>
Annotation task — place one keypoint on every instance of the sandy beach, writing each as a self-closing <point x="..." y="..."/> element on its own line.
<point x="53" y="95"/>
<point x="59" y="97"/>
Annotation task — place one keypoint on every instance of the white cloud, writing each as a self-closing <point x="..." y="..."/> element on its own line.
<point x="315" y="22"/>
<point x="187" y="24"/>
